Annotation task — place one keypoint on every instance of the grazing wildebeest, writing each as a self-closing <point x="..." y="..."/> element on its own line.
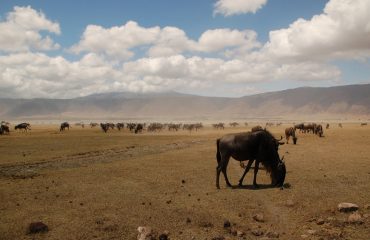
<point x="258" y="146"/>
<point x="256" y="128"/>
<point x="120" y="126"/>
<point x="4" y="129"/>
<point x="63" y="126"/>
<point x="139" y="128"/>
<point x="290" y="132"/>
<point x="299" y="126"/>
<point x="327" y="126"/>
<point x="104" y="127"/>
<point x="92" y="124"/>
<point x="23" y="126"/>
<point x="219" y="125"/>
<point x="363" y="124"/>
<point x="318" y="130"/>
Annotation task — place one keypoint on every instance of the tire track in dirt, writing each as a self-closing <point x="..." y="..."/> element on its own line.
<point x="29" y="170"/>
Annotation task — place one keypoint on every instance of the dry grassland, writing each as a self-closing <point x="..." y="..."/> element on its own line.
<point x="85" y="184"/>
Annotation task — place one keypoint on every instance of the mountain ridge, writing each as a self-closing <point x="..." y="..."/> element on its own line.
<point x="347" y="101"/>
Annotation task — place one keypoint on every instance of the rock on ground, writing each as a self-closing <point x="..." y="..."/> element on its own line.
<point x="355" y="218"/>
<point x="37" y="227"/>
<point x="145" y="233"/>
<point x="347" y="207"/>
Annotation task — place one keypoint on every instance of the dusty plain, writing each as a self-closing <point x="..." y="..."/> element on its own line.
<point x="85" y="184"/>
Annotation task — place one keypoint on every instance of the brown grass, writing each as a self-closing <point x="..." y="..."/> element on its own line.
<point x="85" y="184"/>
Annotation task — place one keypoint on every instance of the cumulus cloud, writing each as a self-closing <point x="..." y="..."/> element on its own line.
<point x="235" y="7"/>
<point x="170" y="41"/>
<point x="21" y="31"/>
<point x="342" y="31"/>
<point x="115" y="42"/>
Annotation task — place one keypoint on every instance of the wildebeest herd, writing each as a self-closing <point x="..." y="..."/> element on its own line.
<point x="5" y="129"/>
<point x="257" y="146"/>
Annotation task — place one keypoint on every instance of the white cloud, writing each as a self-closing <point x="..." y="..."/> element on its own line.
<point x="234" y="7"/>
<point x="20" y="31"/>
<point x="115" y="42"/>
<point x="341" y="31"/>
<point x="170" y="41"/>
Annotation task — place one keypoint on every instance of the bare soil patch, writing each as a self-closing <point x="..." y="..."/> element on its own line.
<point x="84" y="184"/>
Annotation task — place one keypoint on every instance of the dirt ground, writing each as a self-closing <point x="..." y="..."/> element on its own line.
<point x="85" y="184"/>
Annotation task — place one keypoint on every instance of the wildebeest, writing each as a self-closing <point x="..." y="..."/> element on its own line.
<point x="23" y="126"/>
<point x="63" y="126"/>
<point x="104" y="127"/>
<point x="233" y="124"/>
<point x="139" y="128"/>
<point x="340" y="125"/>
<point x="120" y="126"/>
<point x="363" y="124"/>
<point x="327" y="126"/>
<point x="219" y="125"/>
<point x="318" y="130"/>
<point x="299" y="126"/>
<point x="93" y="124"/>
<point x="290" y="132"/>
<point x="259" y="146"/>
<point x="4" y="129"/>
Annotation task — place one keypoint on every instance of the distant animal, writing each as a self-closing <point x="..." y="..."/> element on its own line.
<point x="318" y="130"/>
<point x="219" y="125"/>
<point x="63" y="126"/>
<point x="111" y="125"/>
<point x="340" y="125"/>
<point x="104" y="127"/>
<point x="139" y="128"/>
<point x="327" y="126"/>
<point x="131" y="126"/>
<point x="120" y="126"/>
<point x="259" y="146"/>
<point x="234" y="124"/>
<point x="299" y="126"/>
<point x="4" y="129"/>
<point x="92" y="124"/>
<point x="363" y="124"/>
<point x="290" y="132"/>
<point x="256" y="128"/>
<point x="23" y="126"/>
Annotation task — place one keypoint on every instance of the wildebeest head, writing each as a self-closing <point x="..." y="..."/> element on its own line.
<point x="278" y="176"/>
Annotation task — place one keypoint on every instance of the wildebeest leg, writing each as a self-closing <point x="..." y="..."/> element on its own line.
<point x="245" y="172"/>
<point x="255" y="173"/>
<point x="222" y="166"/>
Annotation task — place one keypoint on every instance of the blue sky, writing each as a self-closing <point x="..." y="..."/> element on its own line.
<point x="217" y="48"/>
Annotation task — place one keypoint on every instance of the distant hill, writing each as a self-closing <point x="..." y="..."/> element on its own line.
<point x="351" y="101"/>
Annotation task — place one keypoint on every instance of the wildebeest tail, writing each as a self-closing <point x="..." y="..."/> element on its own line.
<point x="218" y="155"/>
